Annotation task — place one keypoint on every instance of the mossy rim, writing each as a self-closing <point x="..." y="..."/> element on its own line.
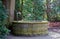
<point x="42" y="22"/>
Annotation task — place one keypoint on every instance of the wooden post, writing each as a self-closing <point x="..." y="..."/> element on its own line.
<point x="12" y="7"/>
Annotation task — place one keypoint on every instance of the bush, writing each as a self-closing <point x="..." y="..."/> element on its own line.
<point x="3" y="16"/>
<point x="31" y="9"/>
<point x="54" y="14"/>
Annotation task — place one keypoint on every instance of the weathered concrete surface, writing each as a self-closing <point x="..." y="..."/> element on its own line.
<point x="39" y="37"/>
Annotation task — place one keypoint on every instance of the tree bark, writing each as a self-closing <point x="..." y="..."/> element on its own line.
<point x="12" y="8"/>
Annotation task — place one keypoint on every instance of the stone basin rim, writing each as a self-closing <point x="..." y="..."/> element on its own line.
<point x="43" y="22"/>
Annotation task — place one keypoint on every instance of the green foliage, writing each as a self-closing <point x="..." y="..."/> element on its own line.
<point x="18" y="8"/>
<point x="32" y="9"/>
<point x="3" y="16"/>
<point x="18" y="5"/>
<point x="36" y="10"/>
<point x="54" y="14"/>
<point x="39" y="9"/>
<point x="28" y="10"/>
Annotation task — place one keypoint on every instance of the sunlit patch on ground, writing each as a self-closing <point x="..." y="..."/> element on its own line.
<point x="54" y="35"/>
